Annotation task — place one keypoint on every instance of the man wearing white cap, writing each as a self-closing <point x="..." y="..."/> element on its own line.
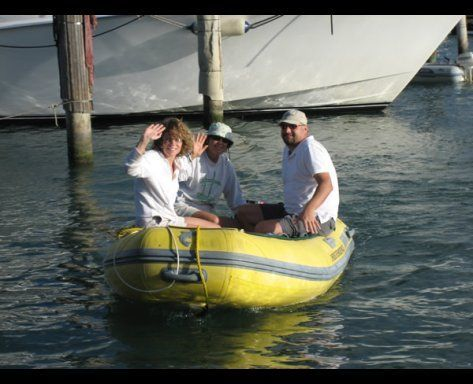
<point x="310" y="181"/>
<point x="209" y="175"/>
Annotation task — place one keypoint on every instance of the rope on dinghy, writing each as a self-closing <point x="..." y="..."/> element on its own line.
<point x="199" y="266"/>
<point x="150" y="290"/>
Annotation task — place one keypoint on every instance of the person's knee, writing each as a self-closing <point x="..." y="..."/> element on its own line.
<point x="263" y="227"/>
<point x="207" y="216"/>
<point x="209" y="224"/>
<point x="259" y="227"/>
<point x="269" y="226"/>
<point x="214" y="219"/>
<point x="199" y="222"/>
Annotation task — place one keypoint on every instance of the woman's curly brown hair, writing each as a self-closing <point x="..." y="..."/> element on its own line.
<point x="176" y="128"/>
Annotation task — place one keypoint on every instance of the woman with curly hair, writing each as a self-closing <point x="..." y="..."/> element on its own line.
<point x="156" y="175"/>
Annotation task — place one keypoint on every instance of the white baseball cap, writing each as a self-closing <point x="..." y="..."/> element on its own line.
<point x="294" y="116"/>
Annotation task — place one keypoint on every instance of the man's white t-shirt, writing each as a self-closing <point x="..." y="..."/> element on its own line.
<point x="202" y="182"/>
<point x="298" y="169"/>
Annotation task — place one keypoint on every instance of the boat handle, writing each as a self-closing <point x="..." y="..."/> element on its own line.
<point x="186" y="276"/>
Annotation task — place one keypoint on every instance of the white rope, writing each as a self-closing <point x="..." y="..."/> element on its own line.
<point x="168" y="21"/>
<point x="52" y="106"/>
<point x="151" y="290"/>
<point x="27" y="113"/>
<point x="177" y="249"/>
<point x="265" y="21"/>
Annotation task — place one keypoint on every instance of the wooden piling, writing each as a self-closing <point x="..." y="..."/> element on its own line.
<point x="462" y="36"/>
<point x="75" y="89"/>
<point x="210" y="63"/>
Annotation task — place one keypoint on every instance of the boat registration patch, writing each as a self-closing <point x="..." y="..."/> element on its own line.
<point x="337" y="253"/>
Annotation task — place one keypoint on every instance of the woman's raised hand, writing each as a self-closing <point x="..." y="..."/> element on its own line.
<point x="199" y="144"/>
<point x="152" y="132"/>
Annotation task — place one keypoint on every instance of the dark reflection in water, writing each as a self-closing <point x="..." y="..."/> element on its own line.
<point x="82" y="238"/>
<point x="86" y="217"/>
<point x="170" y="337"/>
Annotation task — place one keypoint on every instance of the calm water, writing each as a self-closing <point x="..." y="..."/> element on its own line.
<point x="405" y="300"/>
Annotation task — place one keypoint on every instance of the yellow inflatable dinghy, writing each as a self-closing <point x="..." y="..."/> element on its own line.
<point x="225" y="267"/>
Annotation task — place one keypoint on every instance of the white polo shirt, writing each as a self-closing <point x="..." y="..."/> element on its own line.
<point x="155" y="185"/>
<point x="298" y="169"/>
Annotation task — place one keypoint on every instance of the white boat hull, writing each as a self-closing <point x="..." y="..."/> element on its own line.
<point x="305" y="61"/>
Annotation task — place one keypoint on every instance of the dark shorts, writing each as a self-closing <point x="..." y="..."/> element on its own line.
<point x="290" y="225"/>
<point x="273" y="211"/>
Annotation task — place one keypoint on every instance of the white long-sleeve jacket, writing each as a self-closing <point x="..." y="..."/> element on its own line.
<point x="155" y="185"/>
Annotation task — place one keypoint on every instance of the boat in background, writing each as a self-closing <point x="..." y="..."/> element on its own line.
<point x="149" y="65"/>
<point x="439" y="73"/>
<point x="447" y="72"/>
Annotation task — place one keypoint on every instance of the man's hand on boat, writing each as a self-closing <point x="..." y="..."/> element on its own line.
<point x="310" y="221"/>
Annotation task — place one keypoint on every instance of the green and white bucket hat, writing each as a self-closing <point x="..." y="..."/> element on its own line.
<point x="221" y="130"/>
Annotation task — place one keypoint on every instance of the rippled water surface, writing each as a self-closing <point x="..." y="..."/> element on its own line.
<point x="405" y="300"/>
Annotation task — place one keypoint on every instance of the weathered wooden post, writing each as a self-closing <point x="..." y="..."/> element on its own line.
<point x="465" y="57"/>
<point x="75" y="89"/>
<point x="210" y="63"/>
<point x="462" y="36"/>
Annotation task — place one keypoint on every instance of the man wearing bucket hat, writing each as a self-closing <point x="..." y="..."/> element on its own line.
<point x="208" y="175"/>
<point x="311" y="196"/>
